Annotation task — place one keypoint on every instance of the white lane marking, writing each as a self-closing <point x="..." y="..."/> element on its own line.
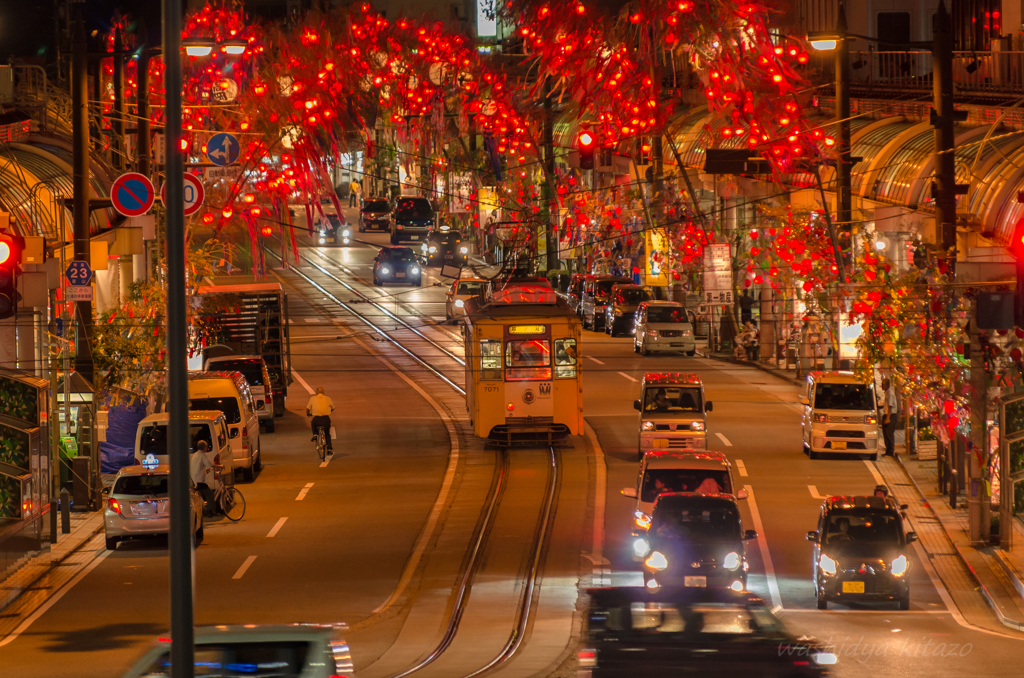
<point x="762" y="543"/>
<point x="276" y="528"/>
<point x="244" y="567"/>
<point x="724" y="439"/>
<point x="334" y="433"/>
<point x="741" y="467"/>
<point x="628" y="377"/>
<point x="814" y="492"/>
<point x="304" y="490"/>
<point x="327" y="460"/>
<point x="601" y="566"/>
<point x="52" y="601"/>
<point x="590" y="357"/>
<point x="879" y="480"/>
<point x="303" y="382"/>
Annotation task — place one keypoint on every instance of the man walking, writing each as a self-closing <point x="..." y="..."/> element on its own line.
<point x="889" y="417"/>
<point x="355" y="190"/>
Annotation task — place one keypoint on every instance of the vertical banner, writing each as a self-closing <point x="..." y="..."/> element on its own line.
<point x="490" y="209"/>
<point x="460" y="193"/>
<point x="655" y="251"/>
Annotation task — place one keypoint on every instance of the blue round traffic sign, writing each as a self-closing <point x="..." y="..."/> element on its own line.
<point x="222" y="149"/>
<point x="78" y="273"/>
<point x="132" y="194"/>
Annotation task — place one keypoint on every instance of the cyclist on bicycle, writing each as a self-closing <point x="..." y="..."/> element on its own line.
<point x="319" y="408"/>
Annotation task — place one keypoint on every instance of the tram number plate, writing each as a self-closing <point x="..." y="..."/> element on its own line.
<point x="853" y="587"/>
<point x="400" y="275"/>
<point x="695" y="581"/>
<point x="838" y="444"/>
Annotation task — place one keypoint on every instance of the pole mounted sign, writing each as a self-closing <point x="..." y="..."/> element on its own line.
<point x="222" y="149"/>
<point x="132" y="194"/>
<point x="78" y="273"/>
<point x="192" y="192"/>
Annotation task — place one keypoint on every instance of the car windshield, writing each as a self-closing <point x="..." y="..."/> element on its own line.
<point x="862" y="525"/>
<point x="672" y="399"/>
<point x="667" y="314"/>
<point x="376" y="206"/>
<point x="662" y="480"/>
<point x="694" y="621"/>
<point x="229" y="406"/>
<point x="398" y="254"/>
<point x="414" y="209"/>
<point x="448" y="237"/>
<point x="603" y="287"/>
<point x="695" y="522"/>
<point x="630" y="297"/>
<point x="843" y="397"/>
<point x="471" y="288"/>
<point x="154" y="438"/>
<point x="251" y="369"/>
<point x="153" y="484"/>
<point x="279" y="659"/>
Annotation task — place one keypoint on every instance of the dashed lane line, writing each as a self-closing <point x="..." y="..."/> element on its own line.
<point x="303" y="382"/>
<point x="276" y="528"/>
<point x="724" y="439"/>
<point x="628" y="377"/>
<point x="304" y="490"/>
<point x="814" y="492"/>
<point x="590" y="357"/>
<point x="762" y="542"/>
<point x="741" y="467"/>
<point x="245" y="566"/>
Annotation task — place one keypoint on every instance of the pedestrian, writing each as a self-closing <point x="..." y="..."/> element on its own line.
<point x="746" y="306"/>
<point x="889" y="417"/>
<point x="354" y="192"/>
<point x="201" y="470"/>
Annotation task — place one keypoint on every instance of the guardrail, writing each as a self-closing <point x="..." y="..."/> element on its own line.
<point x="982" y="73"/>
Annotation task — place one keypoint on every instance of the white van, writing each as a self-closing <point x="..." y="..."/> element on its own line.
<point x="208" y="425"/>
<point x="840" y="415"/>
<point x="229" y="393"/>
<point x="254" y="369"/>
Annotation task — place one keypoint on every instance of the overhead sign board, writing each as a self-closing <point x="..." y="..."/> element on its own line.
<point x="78" y="273"/>
<point x="222" y="149"/>
<point x="132" y="194"/>
<point x="192" y="193"/>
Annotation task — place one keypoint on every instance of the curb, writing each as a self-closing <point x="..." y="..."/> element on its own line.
<point x="764" y="368"/>
<point x="1003" y="619"/>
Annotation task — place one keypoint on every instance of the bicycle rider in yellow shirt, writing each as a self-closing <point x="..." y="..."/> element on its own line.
<point x="319" y="408"/>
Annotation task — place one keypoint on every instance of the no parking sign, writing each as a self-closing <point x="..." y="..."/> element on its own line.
<point x="132" y="194"/>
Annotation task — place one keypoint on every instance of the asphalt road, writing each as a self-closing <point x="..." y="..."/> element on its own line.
<point x="340" y="551"/>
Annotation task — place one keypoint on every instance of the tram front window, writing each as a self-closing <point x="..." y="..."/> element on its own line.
<point x="528" y="359"/>
<point x="490" y="359"/>
<point x="565" y="358"/>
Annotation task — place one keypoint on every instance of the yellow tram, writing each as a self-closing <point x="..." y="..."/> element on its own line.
<point x="523" y="382"/>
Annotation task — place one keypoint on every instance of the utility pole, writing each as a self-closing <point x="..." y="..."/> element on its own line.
<point x="549" y="211"/>
<point x="942" y="119"/>
<point x="142" y="114"/>
<point x="180" y="538"/>
<point x="977" y="495"/>
<point x="844" y="207"/>
<point x="119" y="149"/>
<point x="80" y="180"/>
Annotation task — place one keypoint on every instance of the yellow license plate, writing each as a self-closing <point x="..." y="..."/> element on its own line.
<point x="853" y="587"/>
<point x="659" y="442"/>
<point x="839" y="445"/>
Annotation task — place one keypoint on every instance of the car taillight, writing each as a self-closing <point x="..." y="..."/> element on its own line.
<point x="114" y="506"/>
<point x="137" y="462"/>
<point x="245" y="437"/>
<point x="587" y="658"/>
<point x="871" y="419"/>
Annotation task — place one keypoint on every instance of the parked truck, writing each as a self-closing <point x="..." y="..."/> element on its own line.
<point x="249" y="319"/>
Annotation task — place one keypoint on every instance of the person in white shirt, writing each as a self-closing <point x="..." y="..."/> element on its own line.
<point x="201" y="470"/>
<point x="889" y="417"/>
<point x="319" y="409"/>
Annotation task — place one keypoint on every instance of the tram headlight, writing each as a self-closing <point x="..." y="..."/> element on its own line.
<point x="432" y="249"/>
<point x="647" y="426"/>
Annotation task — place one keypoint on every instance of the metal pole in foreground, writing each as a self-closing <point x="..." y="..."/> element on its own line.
<point x="180" y="538"/>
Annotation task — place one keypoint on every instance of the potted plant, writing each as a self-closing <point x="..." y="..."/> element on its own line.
<point x="927" y="444"/>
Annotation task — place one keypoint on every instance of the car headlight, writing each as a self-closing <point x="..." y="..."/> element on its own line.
<point x="459" y="303"/>
<point x="464" y="250"/>
<point x="414" y="270"/>
<point x="899" y="566"/>
<point x="346" y="233"/>
<point x="642" y="520"/>
<point x="641" y="547"/>
<point x="732" y="561"/>
<point x="821" y="418"/>
<point x="647" y="426"/>
<point x="323" y="241"/>
<point x="696" y="425"/>
<point x="687" y="333"/>
<point x="656" y="561"/>
<point x="423" y="247"/>
<point x="431" y="249"/>
<point x="385" y="270"/>
<point x="827" y="565"/>
<point x="824" y="658"/>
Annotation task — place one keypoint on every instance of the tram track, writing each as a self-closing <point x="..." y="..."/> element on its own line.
<point x="481" y="543"/>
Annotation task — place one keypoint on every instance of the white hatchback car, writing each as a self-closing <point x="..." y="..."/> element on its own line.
<point x="300" y="650"/>
<point x="138" y="505"/>
<point x="459" y="293"/>
<point x="662" y="327"/>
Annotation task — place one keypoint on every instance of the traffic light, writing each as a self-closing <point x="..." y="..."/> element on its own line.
<point x="586" y="147"/>
<point x="10" y="258"/>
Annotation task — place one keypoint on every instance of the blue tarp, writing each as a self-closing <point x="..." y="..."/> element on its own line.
<point x="119" y="449"/>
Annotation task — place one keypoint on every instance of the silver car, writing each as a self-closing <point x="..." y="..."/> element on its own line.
<point x="138" y="505"/>
<point x="663" y="326"/>
<point x="299" y="650"/>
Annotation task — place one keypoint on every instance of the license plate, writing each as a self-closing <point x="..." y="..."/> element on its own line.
<point x="839" y="445"/>
<point x="695" y="581"/>
<point x="415" y="237"/>
<point x="399" y="275"/>
<point x="659" y="442"/>
<point x="853" y="587"/>
<point x="144" y="509"/>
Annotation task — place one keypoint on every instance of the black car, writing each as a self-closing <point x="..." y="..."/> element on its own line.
<point x="621" y="310"/>
<point x="397" y="265"/>
<point x="412" y="217"/>
<point x="334" y="230"/>
<point x="444" y="246"/>
<point x="860" y="552"/>
<point x="692" y="632"/>
<point x="375" y="215"/>
<point x="695" y="540"/>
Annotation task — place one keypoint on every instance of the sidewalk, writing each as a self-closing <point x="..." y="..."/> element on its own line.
<point x="84" y="526"/>
<point x="996" y="574"/>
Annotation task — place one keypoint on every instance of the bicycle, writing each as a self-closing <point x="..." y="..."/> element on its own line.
<point x="321" y="443"/>
<point x="230" y="501"/>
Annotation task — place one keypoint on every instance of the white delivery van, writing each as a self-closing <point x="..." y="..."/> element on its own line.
<point x="229" y="393"/>
<point x="208" y="425"/>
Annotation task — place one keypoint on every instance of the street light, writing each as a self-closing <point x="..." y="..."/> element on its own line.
<point x="823" y="42"/>
<point x="198" y="47"/>
<point x="234" y="46"/>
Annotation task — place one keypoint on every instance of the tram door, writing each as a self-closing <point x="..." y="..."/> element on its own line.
<point x="528" y="377"/>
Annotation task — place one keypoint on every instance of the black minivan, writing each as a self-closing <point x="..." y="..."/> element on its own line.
<point x="412" y="217"/>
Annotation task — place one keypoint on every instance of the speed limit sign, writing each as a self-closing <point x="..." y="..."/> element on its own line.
<point x="192" y="192"/>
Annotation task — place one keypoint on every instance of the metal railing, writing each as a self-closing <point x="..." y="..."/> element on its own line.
<point x="980" y="73"/>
